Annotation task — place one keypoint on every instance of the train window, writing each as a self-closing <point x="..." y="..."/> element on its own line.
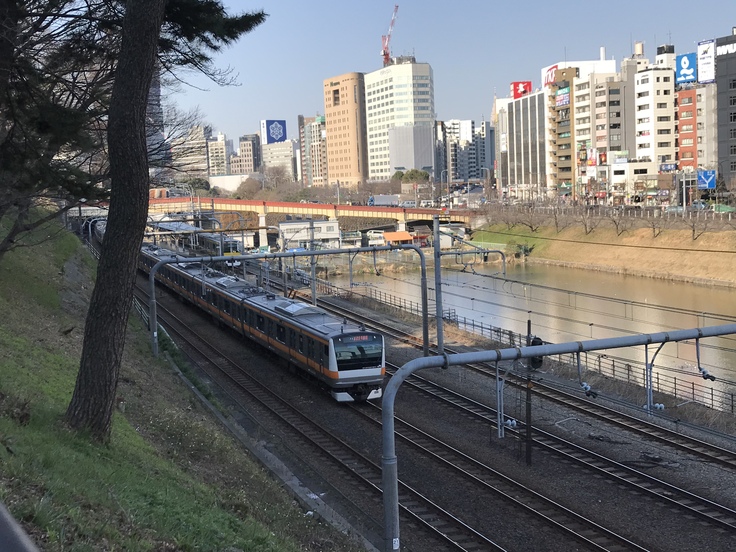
<point x="280" y="333"/>
<point x="301" y="343"/>
<point x="358" y="351"/>
<point x="227" y="307"/>
<point x="292" y="338"/>
<point x="261" y="323"/>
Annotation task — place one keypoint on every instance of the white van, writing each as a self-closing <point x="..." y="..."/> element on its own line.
<point x="426" y="203"/>
<point x="408" y="204"/>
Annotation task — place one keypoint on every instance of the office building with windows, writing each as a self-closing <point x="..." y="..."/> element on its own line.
<point x="725" y="64"/>
<point x="345" y="136"/>
<point x="400" y="94"/>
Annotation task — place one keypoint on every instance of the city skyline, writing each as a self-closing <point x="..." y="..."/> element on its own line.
<point x="282" y="64"/>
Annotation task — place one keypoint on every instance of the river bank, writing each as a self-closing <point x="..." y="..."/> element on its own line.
<point x="671" y="255"/>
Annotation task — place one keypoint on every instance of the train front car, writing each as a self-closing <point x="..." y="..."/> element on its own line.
<point x="359" y="360"/>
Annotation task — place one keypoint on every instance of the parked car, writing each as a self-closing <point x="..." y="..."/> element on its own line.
<point x="674" y="210"/>
<point x="698" y="205"/>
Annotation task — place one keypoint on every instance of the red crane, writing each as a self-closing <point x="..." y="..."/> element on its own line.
<point x="386" y="39"/>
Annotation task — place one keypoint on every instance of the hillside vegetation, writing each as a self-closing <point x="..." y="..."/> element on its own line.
<point x="171" y="477"/>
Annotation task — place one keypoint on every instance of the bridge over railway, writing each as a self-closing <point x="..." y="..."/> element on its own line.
<point x="468" y="218"/>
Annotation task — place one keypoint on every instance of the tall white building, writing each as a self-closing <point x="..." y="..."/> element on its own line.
<point x="282" y="154"/>
<point x="461" y="154"/>
<point x="189" y="154"/>
<point x="313" y="154"/>
<point x="484" y="149"/>
<point x="219" y="151"/>
<point x="655" y="109"/>
<point x="400" y="94"/>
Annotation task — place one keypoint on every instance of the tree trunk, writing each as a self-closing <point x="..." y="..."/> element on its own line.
<point x="91" y="406"/>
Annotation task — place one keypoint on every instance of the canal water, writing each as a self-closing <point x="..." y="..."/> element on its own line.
<point x="567" y="304"/>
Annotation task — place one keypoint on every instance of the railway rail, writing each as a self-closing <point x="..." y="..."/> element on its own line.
<point x="711" y="512"/>
<point x="465" y="537"/>
<point x="418" y="511"/>
<point x="627" y="422"/>
<point x="482" y="478"/>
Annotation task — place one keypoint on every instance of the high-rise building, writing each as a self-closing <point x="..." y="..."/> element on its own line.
<point x="697" y="127"/>
<point x="654" y="105"/>
<point x="159" y="150"/>
<point x="725" y="77"/>
<point x="400" y="94"/>
<point x="313" y="150"/>
<point x="189" y="154"/>
<point x="484" y="150"/>
<point x="345" y="135"/>
<point x="281" y="154"/>
<point x="460" y="149"/>
<point x="249" y="149"/>
<point x="520" y="127"/>
<point x="219" y="151"/>
<point x="571" y="129"/>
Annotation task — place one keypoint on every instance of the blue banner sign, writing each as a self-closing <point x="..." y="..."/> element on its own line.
<point x="686" y="68"/>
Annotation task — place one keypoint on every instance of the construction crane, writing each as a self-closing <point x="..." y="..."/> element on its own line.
<point x="386" y="39"/>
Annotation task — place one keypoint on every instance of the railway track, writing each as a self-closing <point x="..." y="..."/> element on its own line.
<point x="418" y="512"/>
<point x="635" y="425"/>
<point x="708" y="511"/>
<point x="480" y="478"/>
<point x="463" y="537"/>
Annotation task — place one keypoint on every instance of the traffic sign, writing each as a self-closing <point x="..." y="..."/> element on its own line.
<point x="706" y="180"/>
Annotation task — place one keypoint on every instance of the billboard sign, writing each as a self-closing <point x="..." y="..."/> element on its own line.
<point x="706" y="61"/>
<point x="620" y="156"/>
<point x="548" y="75"/>
<point x="520" y="88"/>
<point x="592" y="157"/>
<point x="273" y="131"/>
<point x="685" y="68"/>
<point x="726" y="49"/>
<point x="562" y="97"/>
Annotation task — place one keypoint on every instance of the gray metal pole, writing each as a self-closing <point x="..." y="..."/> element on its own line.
<point x="499" y="403"/>
<point x="314" y="263"/>
<point x="438" y="286"/>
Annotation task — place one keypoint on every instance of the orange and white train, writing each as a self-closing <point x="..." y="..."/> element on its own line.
<point x="343" y="357"/>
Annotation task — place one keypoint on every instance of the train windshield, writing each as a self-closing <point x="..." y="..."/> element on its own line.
<point x="356" y="351"/>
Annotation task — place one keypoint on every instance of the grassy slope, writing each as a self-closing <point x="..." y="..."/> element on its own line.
<point x="169" y="480"/>
<point x="673" y="254"/>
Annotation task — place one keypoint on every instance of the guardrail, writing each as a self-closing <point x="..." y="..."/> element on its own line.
<point x="679" y="388"/>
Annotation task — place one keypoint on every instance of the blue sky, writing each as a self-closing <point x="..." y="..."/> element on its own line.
<point x="475" y="48"/>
